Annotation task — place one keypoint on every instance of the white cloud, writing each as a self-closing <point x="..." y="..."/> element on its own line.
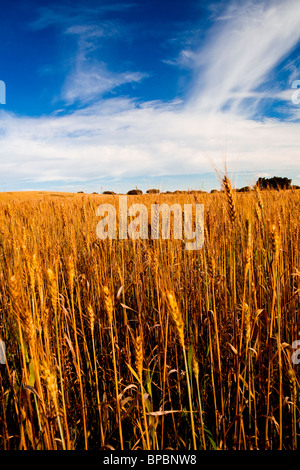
<point x="63" y="15"/>
<point x="89" y="77"/>
<point x="138" y="141"/>
<point x="242" y="50"/>
<point x="89" y="81"/>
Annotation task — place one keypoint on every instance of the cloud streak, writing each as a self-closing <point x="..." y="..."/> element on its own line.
<point x="64" y="16"/>
<point x="241" y="50"/>
<point x="91" y="79"/>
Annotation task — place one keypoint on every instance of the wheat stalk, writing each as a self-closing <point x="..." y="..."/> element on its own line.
<point x="108" y="304"/>
<point x="108" y="301"/>
<point x="230" y="199"/>
<point x="139" y="357"/>
<point x="177" y="318"/>
<point x="275" y="243"/>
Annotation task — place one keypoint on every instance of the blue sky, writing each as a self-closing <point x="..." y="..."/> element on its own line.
<point x="118" y="94"/>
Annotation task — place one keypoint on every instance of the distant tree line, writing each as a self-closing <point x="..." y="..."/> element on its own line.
<point x="276" y="182"/>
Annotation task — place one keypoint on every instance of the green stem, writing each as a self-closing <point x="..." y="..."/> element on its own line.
<point x="190" y="399"/>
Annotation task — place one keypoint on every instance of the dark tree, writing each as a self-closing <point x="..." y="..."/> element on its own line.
<point x="277" y="182"/>
<point x="135" y="192"/>
<point x="153" y="191"/>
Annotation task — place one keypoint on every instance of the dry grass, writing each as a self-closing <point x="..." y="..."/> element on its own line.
<point x="142" y="344"/>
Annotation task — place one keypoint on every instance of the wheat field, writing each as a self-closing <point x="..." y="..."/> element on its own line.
<point x="122" y="344"/>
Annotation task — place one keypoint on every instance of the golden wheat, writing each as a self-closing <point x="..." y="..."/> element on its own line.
<point x="141" y="344"/>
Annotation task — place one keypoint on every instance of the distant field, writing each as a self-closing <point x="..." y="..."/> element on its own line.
<point x="122" y="344"/>
<point x="15" y="195"/>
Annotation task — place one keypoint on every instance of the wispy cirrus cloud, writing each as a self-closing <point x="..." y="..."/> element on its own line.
<point x="71" y="13"/>
<point x="87" y="75"/>
<point x="241" y="51"/>
<point x="90" y="77"/>
<point x="89" y="81"/>
<point x="234" y="68"/>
